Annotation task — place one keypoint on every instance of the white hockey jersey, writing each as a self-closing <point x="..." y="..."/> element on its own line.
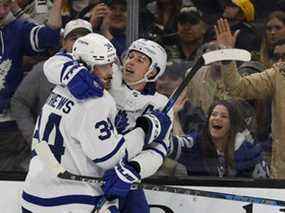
<point x="83" y="139"/>
<point x="134" y="104"/>
<point x="59" y="67"/>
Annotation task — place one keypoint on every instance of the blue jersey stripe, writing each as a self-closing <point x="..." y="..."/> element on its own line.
<point x="65" y="54"/>
<point x="110" y="155"/>
<point x="162" y="144"/>
<point x="65" y="66"/>
<point x="62" y="200"/>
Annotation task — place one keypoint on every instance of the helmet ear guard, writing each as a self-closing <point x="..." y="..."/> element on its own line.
<point x="155" y="69"/>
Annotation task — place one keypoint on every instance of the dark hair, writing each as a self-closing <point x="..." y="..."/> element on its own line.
<point x="110" y="2"/>
<point x="280" y="15"/>
<point x="189" y="15"/>
<point x="279" y="42"/>
<point x="236" y="125"/>
<point x="266" y="49"/>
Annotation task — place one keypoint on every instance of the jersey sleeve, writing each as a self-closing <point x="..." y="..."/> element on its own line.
<point x="100" y="141"/>
<point x="151" y="159"/>
<point x="37" y="38"/>
<point x="61" y="68"/>
<point x="179" y="143"/>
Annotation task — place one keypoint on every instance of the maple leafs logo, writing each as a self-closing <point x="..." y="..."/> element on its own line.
<point x="4" y="68"/>
<point x="121" y="121"/>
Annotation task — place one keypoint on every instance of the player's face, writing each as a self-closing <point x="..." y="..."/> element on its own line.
<point x="104" y="72"/>
<point x="219" y="122"/>
<point x="135" y="67"/>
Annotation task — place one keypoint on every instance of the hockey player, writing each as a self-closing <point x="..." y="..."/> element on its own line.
<point x="133" y="88"/>
<point x="83" y="139"/>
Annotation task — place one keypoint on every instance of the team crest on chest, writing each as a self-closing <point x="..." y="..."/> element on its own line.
<point x="135" y="94"/>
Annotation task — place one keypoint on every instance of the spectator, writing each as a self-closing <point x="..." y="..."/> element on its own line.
<point x="274" y="31"/>
<point x="191" y="30"/>
<point x="212" y="9"/>
<point x="240" y="13"/>
<point x="279" y="51"/>
<point x="207" y="85"/>
<point x="260" y="127"/>
<point x="269" y="83"/>
<point x="205" y="88"/>
<point x="173" y="76"/>
<point x="18" y="38"/>
<point x="27" y="10"/>
<point x="77" y="9"/>
<point x="223" y="147"/>
<point x="159" y="19"/>
<point x="111" y="20"/>
<point x="33" y="91"/>
<point x="250" y="67"/>
<point x="30" y="10"/>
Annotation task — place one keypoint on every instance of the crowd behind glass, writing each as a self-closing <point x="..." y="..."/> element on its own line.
<point x="215" y="133"/>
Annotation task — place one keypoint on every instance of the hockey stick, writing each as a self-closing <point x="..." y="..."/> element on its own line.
<point x="204" y="193"/>
<point x="47" y="156"/>
<point x="44" y="152"/>
<point x="205" y="59"/>
<point x="215" y="195"/>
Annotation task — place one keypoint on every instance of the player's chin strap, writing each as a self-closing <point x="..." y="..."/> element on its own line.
<point x="138" y="82"/>
<point x="145" y="79"/>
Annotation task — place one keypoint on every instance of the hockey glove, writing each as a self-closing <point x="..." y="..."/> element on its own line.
<point x="85" y="85"/>
<point x="121" y="121"/>
<point x="155" y="124"/>
<point x="118" y="181"/>
<point x="110" y="207"/>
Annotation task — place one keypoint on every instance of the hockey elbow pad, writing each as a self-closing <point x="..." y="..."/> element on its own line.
<point x="155" y="124"/>
<point x="84" y="85"/>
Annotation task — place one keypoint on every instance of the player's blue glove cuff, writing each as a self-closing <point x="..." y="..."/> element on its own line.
<point x="85" y="85"/>
<point x="155" y="125"/>
<point x="121" y="121"/>
<point x="118" y="181"/>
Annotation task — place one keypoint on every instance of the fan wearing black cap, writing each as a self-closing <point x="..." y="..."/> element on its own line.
<point x="189" y="36"/>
